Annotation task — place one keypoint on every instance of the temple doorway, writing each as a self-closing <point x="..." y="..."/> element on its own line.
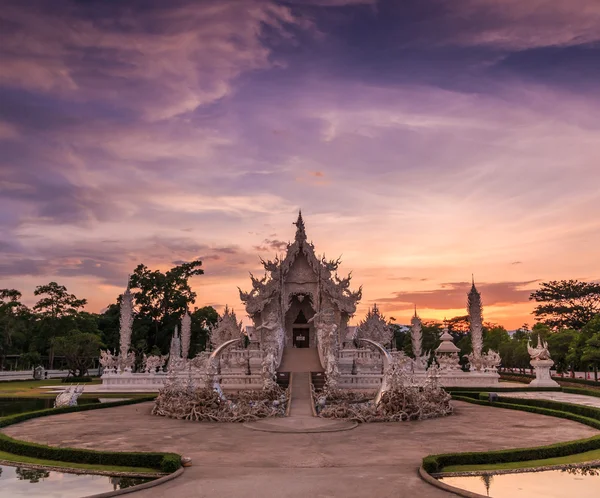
<point x="300" y="337"/>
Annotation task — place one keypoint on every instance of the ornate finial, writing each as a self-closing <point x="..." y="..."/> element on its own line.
<point x="415" y="310"/>
<point x="300" y="233"/>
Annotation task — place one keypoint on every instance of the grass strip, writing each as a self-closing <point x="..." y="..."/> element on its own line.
<point x="565" y="460"/>
<point x="438" y="463"/>
<point x="23" y="460"/>
<point x="165" y="462"/>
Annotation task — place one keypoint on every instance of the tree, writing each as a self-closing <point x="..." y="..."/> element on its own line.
<point x="12" y="322"/>
<point x="202" y="319"/>
<point x="559" y="344"/>
<point x="566" y="303"/>
<point x="79" y="350"/>
<point x="163" y="298"/>
<point x="494" y="337"/>
<point x="591" y="353"/>
<point x="56" y="312"/>
<point x="458" y="325"/>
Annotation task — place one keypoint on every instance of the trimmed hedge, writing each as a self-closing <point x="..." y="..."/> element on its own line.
<point x="166" y="462"/>
<point x="73" y="380"/>
<point x="583" y="414"/>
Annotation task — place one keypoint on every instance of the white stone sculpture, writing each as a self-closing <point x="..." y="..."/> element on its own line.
<point x="446" y="354"/>
<point x="475" y="311"/>
<point x="226" y="328"/>
<point x="108" y="361"/>
<point x="68" y="397"/>
<point x="153" y="362"/>
<point x="541" y="362"/>
<point x="126" y="363"/>
<point x="176" y="362"/>
<point x="416" y="337"/>
<point x="375" y="327"/>
<point x="186" y="335"/>
<point x="269" y="374"/>
<point x="125" y="322"/>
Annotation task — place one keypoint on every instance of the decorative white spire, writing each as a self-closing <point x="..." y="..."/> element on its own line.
<point x="416" y="334"/>
<point x="300" y="231"/>
<point x="475" y="310"/>
<point x="125" y="321"/>
<point x="186" y="334"/>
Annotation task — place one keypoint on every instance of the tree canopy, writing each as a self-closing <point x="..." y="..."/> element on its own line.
<point x="566" y="304"/>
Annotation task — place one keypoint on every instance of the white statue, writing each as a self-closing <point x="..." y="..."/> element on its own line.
<point x="108" y="360"/>
<point x="68" y="397"/>
<point x="542" y="363"/>
<point x="186" y="335"/>
<point x="226" y="328"/>
<point x="153" y="362"/>
<point x="416" y="337"/>
<point x="541" y="352"/>
<point x="125" y="322"/>
<point x="375" y="327"/>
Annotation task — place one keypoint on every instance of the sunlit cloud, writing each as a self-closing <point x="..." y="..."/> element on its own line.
<point x="447" y="143"/>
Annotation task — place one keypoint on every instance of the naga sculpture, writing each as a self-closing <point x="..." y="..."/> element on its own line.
<point x="68" y="397"/>
<point x="540" y="352"/>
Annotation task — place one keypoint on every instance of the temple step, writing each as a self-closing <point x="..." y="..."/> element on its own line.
<point x="300" y="360"/>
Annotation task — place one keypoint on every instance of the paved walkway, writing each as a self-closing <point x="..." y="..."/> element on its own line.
<point x="577" y="399"/>
<point x="229" y="460"/>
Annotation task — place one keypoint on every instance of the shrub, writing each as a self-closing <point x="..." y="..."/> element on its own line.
<point x="158" y="461"/>
<point x="583" y="414"/>
<point x="76" y="380"/>
<point x="170" y="463"/>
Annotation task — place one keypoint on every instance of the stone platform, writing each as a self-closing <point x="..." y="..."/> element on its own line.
<point x="229" y="460"/>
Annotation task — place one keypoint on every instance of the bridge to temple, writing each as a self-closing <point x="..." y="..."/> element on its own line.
<point x="300" y="363"/>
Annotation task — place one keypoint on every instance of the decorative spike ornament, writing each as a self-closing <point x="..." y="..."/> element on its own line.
<point x="416" y="335"/>
<point x="186" y="335"/>
<point x="300" y="229"/>
<point x="475" y="310"/>
<point x="125" y="322"/>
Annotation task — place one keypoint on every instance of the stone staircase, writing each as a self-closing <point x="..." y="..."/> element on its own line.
<point x="300" y="360"/>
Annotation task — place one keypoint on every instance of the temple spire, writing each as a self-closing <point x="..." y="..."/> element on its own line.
<point x="300" y="233"/>
<point x="415" y="310"/>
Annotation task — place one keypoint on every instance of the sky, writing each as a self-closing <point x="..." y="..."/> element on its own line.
<point x="424" y="140"/>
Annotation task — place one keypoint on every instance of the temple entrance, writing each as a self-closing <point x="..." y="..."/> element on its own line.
<point x="300" y="337"/>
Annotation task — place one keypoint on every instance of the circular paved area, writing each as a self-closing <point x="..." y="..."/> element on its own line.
<point x="230" y="460"/>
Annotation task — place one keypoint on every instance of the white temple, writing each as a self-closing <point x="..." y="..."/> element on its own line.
<point x="302" y="303"/>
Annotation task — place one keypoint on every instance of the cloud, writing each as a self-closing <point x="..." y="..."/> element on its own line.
<point x="454" y="295"/>
<point x="161" y="61"/>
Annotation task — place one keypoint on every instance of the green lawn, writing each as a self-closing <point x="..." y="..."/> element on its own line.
<point x="31" y="388"/>
<point x="577" y="458"/>
<point x="18" y="459"/>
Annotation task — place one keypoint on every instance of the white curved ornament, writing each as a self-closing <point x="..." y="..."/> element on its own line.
<point x="387" y="361"/>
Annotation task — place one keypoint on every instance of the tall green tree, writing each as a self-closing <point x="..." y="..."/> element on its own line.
<point x="12" y="321"/>
<point x="56" y="311"/>
<point x="79" y="350"/>
<point x="202" y="319"/>
<point x="559" y="344"/>
<point x="591" y="353"/>
<point x="568" y="304"/>
<point x="163" y="298"/>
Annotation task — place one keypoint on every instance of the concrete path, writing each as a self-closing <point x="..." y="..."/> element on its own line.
<point x="378" y="459"/>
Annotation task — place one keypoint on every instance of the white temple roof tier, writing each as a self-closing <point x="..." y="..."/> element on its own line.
<point x="276" y="272"/>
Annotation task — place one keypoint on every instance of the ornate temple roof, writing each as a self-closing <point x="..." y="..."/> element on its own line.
<point x="265" y="289"/>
